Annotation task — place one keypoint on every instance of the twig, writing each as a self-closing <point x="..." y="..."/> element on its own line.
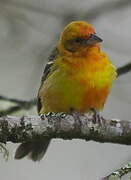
<point x="116" y="175"/>
<point x="20" y="102"/>
<point x="124" y="69"/>
<point x="18" y="105"/>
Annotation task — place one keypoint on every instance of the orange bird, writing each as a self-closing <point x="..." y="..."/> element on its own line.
<point x="78" y="76"/>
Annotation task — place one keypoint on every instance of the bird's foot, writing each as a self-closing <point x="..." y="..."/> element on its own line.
<point x="96" y="117"/>
<point x="53" y="114"/>
<point x="76" y="115"/>
<point x="60" y="114"/>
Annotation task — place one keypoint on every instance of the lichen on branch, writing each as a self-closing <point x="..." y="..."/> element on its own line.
<point x="65" y="126"/>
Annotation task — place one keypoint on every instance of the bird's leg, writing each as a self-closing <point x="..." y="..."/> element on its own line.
<point x="76" y="116"/>
<point x="43" y="116"/>
<point x="96" y="117"/>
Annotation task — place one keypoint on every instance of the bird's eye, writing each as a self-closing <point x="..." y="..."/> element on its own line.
<point x="77" y="40"/>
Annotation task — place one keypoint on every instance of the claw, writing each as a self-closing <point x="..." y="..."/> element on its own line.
<point x="96" y="117"/>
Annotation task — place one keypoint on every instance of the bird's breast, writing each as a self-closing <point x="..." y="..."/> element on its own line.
<point x="80" y="85"/>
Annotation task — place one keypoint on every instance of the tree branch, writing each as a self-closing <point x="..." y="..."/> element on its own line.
<point x="60" y="125"/>
<point x="66" y="126"/>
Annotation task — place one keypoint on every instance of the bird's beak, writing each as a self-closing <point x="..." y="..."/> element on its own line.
<point x="93" y="39"/>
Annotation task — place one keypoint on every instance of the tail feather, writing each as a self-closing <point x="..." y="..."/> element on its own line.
<point x="35" y="150"/>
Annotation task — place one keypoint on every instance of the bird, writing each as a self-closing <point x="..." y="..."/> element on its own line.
<point x="78" y="77"/>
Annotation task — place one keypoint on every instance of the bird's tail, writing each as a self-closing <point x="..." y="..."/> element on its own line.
<point x="35" y="150"/>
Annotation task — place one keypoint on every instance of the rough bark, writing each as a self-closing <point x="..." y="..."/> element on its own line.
<point x="60" y="125"/>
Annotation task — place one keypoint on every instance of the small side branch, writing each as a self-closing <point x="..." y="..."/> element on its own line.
<point x="116" y="175"/>
<point x="17" y="105"/>
<point x="124" y="69"/>
<point x="19" y="102"/>
<point x="65" y="126"/>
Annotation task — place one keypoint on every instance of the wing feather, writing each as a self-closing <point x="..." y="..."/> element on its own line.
<point x="46" y="72"/>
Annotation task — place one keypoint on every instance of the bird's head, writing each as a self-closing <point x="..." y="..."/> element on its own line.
<point x="78" y="35"/>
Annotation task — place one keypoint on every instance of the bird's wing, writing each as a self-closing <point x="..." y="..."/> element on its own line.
<point x="46" y="72"/>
